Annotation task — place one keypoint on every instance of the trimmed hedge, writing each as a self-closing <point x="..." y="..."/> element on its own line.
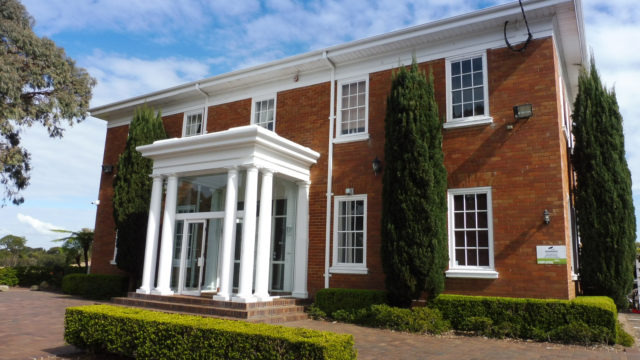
<point x="8" y="276"/>
<point x="95" y="286"/>
<point x="417" y="320"/>
<point x="145" y="334"/>
<point x="34" y="275"/>
<point x="331" y="300"/>
<point x="593" y="318"/>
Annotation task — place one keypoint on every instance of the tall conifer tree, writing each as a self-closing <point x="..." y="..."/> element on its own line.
<point x="603" y="201"/>
<point x="414" y="207"/>
<point x="132" y="190"/>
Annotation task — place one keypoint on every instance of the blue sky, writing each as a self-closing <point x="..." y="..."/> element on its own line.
<point x="138" y="46"/>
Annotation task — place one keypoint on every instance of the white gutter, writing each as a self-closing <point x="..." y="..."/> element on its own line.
<point x="332" y="118"/>
<point x="206" y="108"/>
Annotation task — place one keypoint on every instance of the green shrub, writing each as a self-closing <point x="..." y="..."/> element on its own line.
<point x="8" y="276"/>
<point x="34" y="275"/>
<point x="419" y="320"/>
<point x="582" y="320"/>
<point x="95" y="286"/>
<point x="622" y="337"/>
<point x="145" y="334"/>
<point x="330" y="300"/>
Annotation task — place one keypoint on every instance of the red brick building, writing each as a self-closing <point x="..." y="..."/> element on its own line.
<point x="266" y="186"/>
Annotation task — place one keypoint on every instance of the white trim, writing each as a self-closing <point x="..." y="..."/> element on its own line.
<point x="470" y="120"/>
<point x="472" y="274"/>
<point x="470" y="271"/>
<point x="255" y="99"/>
<point x="186" y="115"/>
<point x="349" y="268"/>
<point x="360" y="135"/>
<point x="351" y="138"/>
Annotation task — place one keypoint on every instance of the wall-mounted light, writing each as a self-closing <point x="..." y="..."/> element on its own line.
<point x="377" y="166"/>
<point x="107" y="169"/>
<point x="523" y="111"/>
<point x="348" y="191"/>
<point x="547" y="216"/>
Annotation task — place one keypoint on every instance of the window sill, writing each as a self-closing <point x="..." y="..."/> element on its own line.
<point x="472" y="274"/>
<point x="574" y="276"/>
<point x="453" y="124"/>
<point x="341" y="139"/>
<point x="349" y="270"/>
<point x="113" y="262"/>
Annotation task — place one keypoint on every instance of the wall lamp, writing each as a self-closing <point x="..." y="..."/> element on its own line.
<point x="377" y="166"/>
<point x="523" y="111"/>
<point x="107" y="169"/>
<point x="547" y="216"/>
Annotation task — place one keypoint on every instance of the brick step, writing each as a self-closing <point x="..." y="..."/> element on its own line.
<point x="208" y="301"/>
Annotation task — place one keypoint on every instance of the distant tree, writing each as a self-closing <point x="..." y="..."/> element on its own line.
<point x="132" y="190"/>
<point x="414" y="207"/>
<point x="13" y="246"/>
<point x="78" y="241"/>
<point x="39" y="84"/>
<point x="603" y="201"/>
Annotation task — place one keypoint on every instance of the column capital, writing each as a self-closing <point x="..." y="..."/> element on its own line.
<point x="266" y="171"/>
<point x="157" y="176"/>
<point x="303" y="183"/>
<point x="231" y="168"/>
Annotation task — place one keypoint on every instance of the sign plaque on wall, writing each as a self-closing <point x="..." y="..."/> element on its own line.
<point x="555" y="254"/>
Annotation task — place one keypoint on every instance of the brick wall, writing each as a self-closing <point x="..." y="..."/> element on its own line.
<point x="526" y="168"/>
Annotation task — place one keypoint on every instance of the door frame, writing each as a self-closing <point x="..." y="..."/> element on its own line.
<point x="183" y="255"/>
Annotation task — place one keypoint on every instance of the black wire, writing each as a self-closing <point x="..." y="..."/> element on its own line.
<point x="529" y="37"/>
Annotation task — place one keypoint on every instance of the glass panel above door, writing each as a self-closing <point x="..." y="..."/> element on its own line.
<point x="203" y="193"/>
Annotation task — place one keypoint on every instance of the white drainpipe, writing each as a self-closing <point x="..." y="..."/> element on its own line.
<point x="206" y="108"/>
<point x="329" y="170"/>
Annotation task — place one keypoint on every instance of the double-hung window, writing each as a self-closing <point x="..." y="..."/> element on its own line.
<point x="353" y="99"/>
<point x="350" y="234"/>
<point x="471" y="233"/>
<point x="467" y="91"/>
<point x="193" y="123"/>
<point x="264" y="112"/>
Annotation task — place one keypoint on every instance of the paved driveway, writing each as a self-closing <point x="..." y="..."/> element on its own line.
<point x="32" y="326"/>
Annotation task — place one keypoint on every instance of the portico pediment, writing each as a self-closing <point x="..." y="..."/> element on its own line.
<point x="239" y="146"/>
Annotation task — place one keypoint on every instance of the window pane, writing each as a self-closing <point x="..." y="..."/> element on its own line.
<point x="271" y="102"/>
<point x="456" y="97"/>
<point x="456" y="82"/>
<point x="482" y="220"/>
<point x="478" y="93"/>
<point x="361" y="100"/>
<point x="470" y="202"/>
<point x="460" y="257"/>
<point x="455" y="68"/>
<point x="458" y="202"/>
<point x="483" y="255"/>
<point x="359" y="256"/>
<point x="345" y="90"/>
<point x="471" y="220"/>
<point x="478" y="108"/>
<point x="353" y="114"/>
<point x="359" y="240"/>
<point x="477" y="79"/>
<point x="361" y="113"/>
<point x="467" y="109"/>
<point x="457" y="111"/>
<point x="459" y="220"/>
<point x="483" y="238"/>
<point x="359" y="207"/>
<point x="471" y="239"/>
<point x="459" y="238"/>
<point x="472" y="257"/>
<point x="467" y="95"/>
<point x="466" y="66"/>
<point x="466" y="80"/>
<point x="359" y="223"/>
<point x="482" y="201"/>
<point x="477" y="64"/>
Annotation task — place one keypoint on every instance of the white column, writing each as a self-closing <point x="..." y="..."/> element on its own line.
<point x="264" y="237"/>
<point x="248" y="238"/>
<point x="153" y="229"/>
<point x="302" y="242"/>
<point x="228" y="231"/>
<point x="166" y="247"/>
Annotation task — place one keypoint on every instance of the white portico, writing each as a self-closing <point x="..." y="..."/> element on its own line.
<point x="235" y="217"/>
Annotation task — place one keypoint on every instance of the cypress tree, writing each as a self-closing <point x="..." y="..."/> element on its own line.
<point x="414" y="207"/>
<point x="603" y="200"/>
<point x="132" y="190"/>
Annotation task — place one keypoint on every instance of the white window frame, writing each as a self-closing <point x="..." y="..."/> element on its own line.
<point x="343" y="138"/>
<point x="115" y="250"/>
<point x="469" y="120"/>
<point x="184" y="122"/>
<point x="477" y="272"/>
<point x="349" y="268"/>
<point x="257" y="99"/>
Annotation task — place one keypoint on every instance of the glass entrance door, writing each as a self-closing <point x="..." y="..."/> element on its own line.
<point x="193" y="256"/>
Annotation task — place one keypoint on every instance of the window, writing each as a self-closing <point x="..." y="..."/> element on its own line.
<point x="350" y="235"/>
<point x="471" y="233"/>
<point x="467" y="91"/>
<point x="353" y="110"/>
<point x="264" y="113"/>
<point x="193" y="124"/>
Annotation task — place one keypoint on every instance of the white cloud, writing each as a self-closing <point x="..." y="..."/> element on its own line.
<point x="39" y="225"/>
